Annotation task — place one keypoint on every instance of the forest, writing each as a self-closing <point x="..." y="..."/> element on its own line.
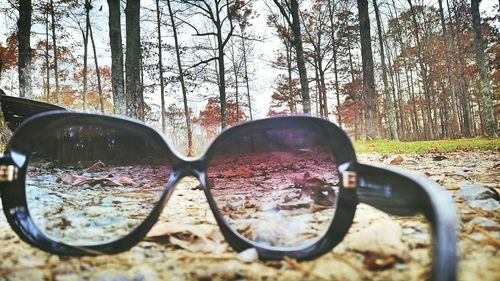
<point x="380" y="69"/>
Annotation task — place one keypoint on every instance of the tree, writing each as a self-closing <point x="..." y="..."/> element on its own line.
<point x="115" y="40"/>
<point x="216" y="14"/>
<point x="133" y="95"/>
<point x="181" y="79"/>
<point x="484" y="84"/>
<point x="390" y="104"/>
<point x="24" y="47"/>
<point x="291" y="15"/>
<point x="368" y="78"/>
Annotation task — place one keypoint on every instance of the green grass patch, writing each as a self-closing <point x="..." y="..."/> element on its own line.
<point x="389" y="146"/>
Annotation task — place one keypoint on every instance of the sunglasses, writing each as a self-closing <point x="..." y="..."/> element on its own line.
<point x="87" y="184"/>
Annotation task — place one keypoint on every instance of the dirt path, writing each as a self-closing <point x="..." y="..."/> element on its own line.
<point x="196" y="250"/>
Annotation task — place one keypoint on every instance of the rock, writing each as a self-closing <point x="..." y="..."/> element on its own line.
<point x="483" y="222"/>
<point x="249" y="255"/>
<point x="473" y="191"/>
<point x="486" y="205"/>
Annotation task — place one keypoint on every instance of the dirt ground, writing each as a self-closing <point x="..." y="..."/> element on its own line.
<point x="186" y="243"/>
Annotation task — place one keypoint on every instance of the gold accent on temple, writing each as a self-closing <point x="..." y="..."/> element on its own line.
<point x="349" y="179"/>
<point x="8" y="173"/>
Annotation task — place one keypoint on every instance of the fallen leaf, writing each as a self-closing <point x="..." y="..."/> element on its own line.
<point x="397" y="159"/>
<point x="194" y="238"/>
<point x="374" y="262"/>
<point x="78" y="180"/>
<point x="381" y="238"/>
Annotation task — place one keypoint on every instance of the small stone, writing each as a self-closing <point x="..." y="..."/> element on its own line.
<point x="470" y="191"/>
<point x="249" y="255"/>
<point x="486" y="205"/>
<point x="483" y="222"/>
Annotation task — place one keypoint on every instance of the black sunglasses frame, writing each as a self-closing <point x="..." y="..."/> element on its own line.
<point x="391" y="190"/>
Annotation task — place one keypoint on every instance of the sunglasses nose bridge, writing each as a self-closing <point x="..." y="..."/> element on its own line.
<point x="188" y="168"/>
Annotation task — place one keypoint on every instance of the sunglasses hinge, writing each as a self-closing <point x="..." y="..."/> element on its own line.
<point x="8" y="173"/>
<point x="349" y="179"/>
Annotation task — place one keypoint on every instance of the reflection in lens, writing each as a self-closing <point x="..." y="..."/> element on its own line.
<point x="91" y="184"/>
<point x="277" y="187"/>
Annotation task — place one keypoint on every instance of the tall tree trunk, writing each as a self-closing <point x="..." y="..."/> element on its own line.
<point x="47" y="62"/>
<point x="115" y="40"/>
<point x="183" y="84"/>
<point x="160" y="66"/>
<point x="490" y="127"/>
<point x="294" y="23"/>
<point x="247" y="84"/>
<point x="98" y="72"/>
<point x="368" y="78"/>
<point x="24" y="48"/>
<point x="453" y="99"/>
<point x="134" y="102"/>
<point x="388" y="98"/>
<point x="331" y="15"/>
<point x="85" y="52"/>
<point x="54" y="50"/>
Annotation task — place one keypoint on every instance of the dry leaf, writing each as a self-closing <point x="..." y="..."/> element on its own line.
<point x="374" y="262"/>
<point x="194" y="238"/>
<point x="81" y="180"/>
<point x="382" y="238"/>
<point x="397" y="159"/>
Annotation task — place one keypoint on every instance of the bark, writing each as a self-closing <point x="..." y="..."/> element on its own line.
<point x="183" y="84"/>
<point x="24" y="48"/>
<point x="368" y="78"/>
<point x="133" y="97"/>
<point x="54" y="50"/>
<point x="388" y="98"/>
<point x="489" y="123"/>
<point x="294" y="23"/>
<point x="115" y="39"/>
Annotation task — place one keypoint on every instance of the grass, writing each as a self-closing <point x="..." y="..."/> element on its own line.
<point x="389" y="146"/>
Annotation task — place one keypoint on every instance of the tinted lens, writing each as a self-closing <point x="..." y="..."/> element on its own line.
<point x="88" y="184"/>
<point x="277" y="187"/>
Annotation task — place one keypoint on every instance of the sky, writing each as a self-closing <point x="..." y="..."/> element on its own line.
<point x="265" y="50"/>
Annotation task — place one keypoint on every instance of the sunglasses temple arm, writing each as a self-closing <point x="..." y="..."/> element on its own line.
<point x="398" y="192"/>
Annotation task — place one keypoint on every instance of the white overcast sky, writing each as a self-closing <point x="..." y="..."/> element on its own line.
<point x="264" y="51"/>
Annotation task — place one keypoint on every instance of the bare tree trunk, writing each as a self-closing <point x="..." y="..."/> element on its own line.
<point x="388" y="98"/>
<point x="247" y="84"/>
<point x="85" y="52"/>
<point x="453" y="98"/>
<point x="98" y="72"/>
<point x="160" y="66"/>
<point x="115" y="39"/>
<point x="183" y="84"/>
<point x="331" y="15"/>
<point x="24" y="48"/>
<point x="368" y="79"/>
<point x="294" y="23"/>
<point x="54" y="50"/>
<point x="490" y="127"/>
<point x="134" y="102"/>
<point x="47" y="62"/>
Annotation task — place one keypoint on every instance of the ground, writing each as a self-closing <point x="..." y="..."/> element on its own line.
<point x="186" y="244"/>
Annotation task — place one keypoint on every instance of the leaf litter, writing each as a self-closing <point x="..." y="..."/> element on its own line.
<point x="378" y="246"/>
